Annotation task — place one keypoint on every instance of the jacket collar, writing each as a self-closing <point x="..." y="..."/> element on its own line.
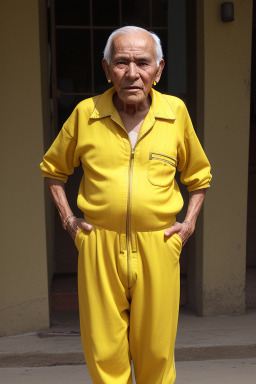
<point x="160" y="107"/>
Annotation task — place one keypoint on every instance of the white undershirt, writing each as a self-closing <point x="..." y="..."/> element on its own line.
<point x="133" y="138"/>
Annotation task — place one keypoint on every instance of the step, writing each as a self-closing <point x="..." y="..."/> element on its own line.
<point x="198" y="338"/>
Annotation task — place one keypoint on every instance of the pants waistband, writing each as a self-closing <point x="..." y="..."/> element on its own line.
<point x="133" y="236"/>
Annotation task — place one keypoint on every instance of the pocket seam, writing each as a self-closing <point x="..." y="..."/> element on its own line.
<point x="179" y="239"/>
<point x="77" y="236"/>
<point x="165" y="156"/>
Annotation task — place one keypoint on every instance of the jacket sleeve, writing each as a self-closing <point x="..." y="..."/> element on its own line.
<point x="60" y="160"/>
<point x="194" y="166"/>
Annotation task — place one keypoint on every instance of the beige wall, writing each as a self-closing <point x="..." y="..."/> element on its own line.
<point x="224" y="61"/>
<point x="24" y="303"/>
<point x="48" y="133"/>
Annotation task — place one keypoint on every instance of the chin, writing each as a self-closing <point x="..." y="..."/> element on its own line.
<point x="133" y="99"/>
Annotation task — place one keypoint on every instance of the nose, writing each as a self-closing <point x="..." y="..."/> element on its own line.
<point x="132" y="72"/>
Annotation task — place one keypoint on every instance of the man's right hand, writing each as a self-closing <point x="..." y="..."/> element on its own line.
<point x="69" y="221"/>
<point x="75" y="224"/>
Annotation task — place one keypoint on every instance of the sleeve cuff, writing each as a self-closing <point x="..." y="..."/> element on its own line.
<point x="193" y="188"/>
<point x="61" y="178"/>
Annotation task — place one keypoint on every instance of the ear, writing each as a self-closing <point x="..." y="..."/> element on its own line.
<point x="106" y="69"/>
<point x="159" y="71"/>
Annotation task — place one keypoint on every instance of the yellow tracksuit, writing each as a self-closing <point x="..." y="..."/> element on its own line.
<point x="128" y="272"/>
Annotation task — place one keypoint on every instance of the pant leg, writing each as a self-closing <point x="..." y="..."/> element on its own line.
<point x="155" y="307"/>
<point x="103" y="307"/>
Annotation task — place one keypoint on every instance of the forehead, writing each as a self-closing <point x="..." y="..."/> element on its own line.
<point x="140" y="43"/>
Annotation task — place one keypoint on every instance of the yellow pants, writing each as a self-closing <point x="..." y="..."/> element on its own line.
<point x="129" y="305"/>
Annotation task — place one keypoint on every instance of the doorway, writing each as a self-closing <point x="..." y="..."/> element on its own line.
<point x="251" y="210"/>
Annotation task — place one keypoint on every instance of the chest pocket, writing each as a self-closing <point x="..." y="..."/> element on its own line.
<point x="161" y="169"/>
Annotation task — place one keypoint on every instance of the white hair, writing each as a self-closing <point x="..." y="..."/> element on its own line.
<point x="131" y="29"/>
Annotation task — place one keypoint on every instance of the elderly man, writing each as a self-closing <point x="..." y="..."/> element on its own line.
<point x="130" y="142"/>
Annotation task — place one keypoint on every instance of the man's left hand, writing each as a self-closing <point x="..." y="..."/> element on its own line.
<point x="184" y="230"/>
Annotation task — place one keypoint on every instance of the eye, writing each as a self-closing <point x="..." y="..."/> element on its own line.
<point x="143" y="64"/>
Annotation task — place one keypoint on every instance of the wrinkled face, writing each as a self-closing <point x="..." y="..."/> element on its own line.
<point x="133" y="67"/>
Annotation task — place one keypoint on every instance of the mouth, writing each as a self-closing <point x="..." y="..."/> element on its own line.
<point x="133" y="88"/>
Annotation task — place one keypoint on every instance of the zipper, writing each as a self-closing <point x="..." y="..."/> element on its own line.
<point x="128" y="219"/>
<point x="128" y="214"/>
<point x="162" y="157"/>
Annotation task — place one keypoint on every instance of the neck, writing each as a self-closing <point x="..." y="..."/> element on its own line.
<point x="131" y="109"/>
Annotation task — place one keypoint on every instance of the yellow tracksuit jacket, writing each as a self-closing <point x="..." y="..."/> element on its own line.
<point x="128" y="273"/>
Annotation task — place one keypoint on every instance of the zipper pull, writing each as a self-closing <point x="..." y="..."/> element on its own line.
<point x="132" y="154"/>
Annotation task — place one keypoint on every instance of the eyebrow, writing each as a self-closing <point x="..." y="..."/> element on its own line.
<point x="147" y="59"/>
<point x="142" y="58"/>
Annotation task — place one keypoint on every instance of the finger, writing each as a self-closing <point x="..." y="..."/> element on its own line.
<point x="184" y="241"/>
<point x="72" y="232"/>
<point x="170" y="231"/>
<point x="173" y="229"/>
<point x="86" y="226"/>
